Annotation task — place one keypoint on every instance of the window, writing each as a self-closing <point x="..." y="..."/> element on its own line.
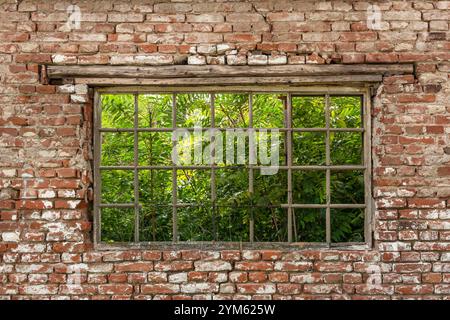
<point x="238" y="166"/>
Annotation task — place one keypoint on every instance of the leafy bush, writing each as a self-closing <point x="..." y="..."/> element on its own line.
<point x="228" y="217"/>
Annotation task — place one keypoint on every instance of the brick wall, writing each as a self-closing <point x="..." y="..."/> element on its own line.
<point x="45" y="141"/>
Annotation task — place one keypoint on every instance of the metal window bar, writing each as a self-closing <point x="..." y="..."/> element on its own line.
<point x="367" y="126"/>
<point x="243" y="128"/>
<point x="97" y="158"/>
<point x="365" y="130"/>
<point x="205" y="167"/>
<point x="289" y="165"/>
<point x="250" y="170"/>
<point x="174" y="172"/>
<point x="135" y="164"/>
<point x="212" y="155"/>
<point x="328" y="173"/>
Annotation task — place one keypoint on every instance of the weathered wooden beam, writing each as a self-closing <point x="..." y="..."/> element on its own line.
<point x="231" y="80"/>
<point x="215" y="71"/>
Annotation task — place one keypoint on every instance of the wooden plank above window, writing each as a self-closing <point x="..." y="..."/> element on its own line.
<point x="183" y="75"/>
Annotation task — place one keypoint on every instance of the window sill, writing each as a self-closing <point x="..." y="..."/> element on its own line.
<point x="284" y="246"/>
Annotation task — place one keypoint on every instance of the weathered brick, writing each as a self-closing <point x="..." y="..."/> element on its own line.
<point x="46" y="228"/>
<point x="254" y="288"/>
<point x="160" y="288"/>
<point x="112" y="289"/>
<point x="134" y="267"/>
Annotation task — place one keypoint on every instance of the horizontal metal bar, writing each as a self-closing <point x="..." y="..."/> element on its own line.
<point x="348" y="206"/>
<point x="331" y="167"/>
<point x="116" y="205"/>
<point x="225" y="206"/>
<point x="284" y="205"/>
<point x="207" y="167"/>
<point x="325" y="129"/>
<point x="138" y="130"/>
<point x="230" y="128"/>
<point x="324" y="206"/>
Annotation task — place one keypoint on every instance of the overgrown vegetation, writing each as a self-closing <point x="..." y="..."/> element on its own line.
<point x="228" y="219"/>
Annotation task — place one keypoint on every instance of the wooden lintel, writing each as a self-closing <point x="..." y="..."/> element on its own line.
<point x="216" y="71"/>
<point x="229" y="81"/>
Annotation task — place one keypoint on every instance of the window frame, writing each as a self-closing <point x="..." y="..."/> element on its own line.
<point x="326" y="91"/>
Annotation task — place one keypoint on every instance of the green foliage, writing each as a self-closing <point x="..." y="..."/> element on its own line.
<point x="308" y="148"/>
<point x="310" y="225"/>
<point x="193" y="110"/>
<point x="345" y="112"/>
<point x="308" y="112"/>
<point x="117" y="110"/>
<point x="347" y="225"/>
<point x="268" y="111"/>
<point x="155" y="110"/>
<point x="117" y="224"/>
<point x="231" y="110"/>
<point x="228" y="218"/>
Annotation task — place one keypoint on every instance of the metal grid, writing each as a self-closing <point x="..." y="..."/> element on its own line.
<point x="289" y="167"/>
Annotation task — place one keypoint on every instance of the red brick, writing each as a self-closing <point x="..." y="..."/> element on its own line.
<point x="291" y="288"/>
<point x="271" y="254"/>
<point x="67" y="173"/>
<point x="381" y="58"/>
<point x="160" y="288"/>
<point x="111" y="289"/>
<point x="353" y="58"/>
<point x="134" y="267"/>
<point x="173" y="266"/>
<point x="443" y="171"/>
<point x="426" y="203"/>
<point x="414" y="289"/>
<point x="230" y="255"/>
<point x="333" y="266"/>
<point x="247" y="265"/>
<point x="151" y="255"/>
<point x="257" y="276"/>
<point x="408" y="98"/>
<point x="242" y="37"/>
<point x="252" y="288"/>
<point x="358" y="36"/>
<point x="117" y="278"/>
<point x="197" y="276"/>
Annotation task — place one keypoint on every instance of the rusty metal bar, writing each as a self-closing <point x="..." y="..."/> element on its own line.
<point x="323" y="206"/>
<point x="205" y="167"/>
<point x="174" y="172"/>
<point x="135" y="164"/>
<point x="366" y="121"/>
<point x="328" y="172"/>
<point x="131" y="130"/>
<point x="283" y="205"/>
<point x="212" y="141"/>
<point x="97" y="162"/>
<point x="116" y="205"/>
<point x="290" y="210"/>
<point x="251" y="178"/>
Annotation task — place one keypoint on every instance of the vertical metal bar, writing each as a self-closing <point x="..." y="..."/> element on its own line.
<point x="97" y="113"/>
<point x="289" y="165"/>
<point x="174" y="171"/>
<point x="135" y="165"/>
<point x="250" y="169"/>
<point x="366" y="120"/>
<point x="212" y="141"/>
<point x="328" y="173"/>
